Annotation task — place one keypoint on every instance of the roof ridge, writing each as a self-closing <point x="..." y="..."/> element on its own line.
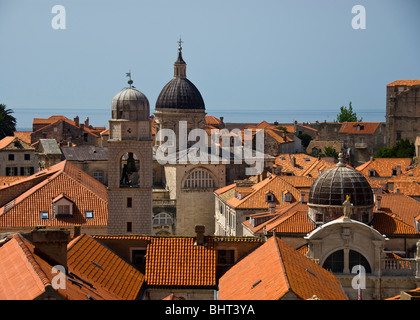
<point x="29" y="192"/>
<point x="286" y="278"/>
<point x="32" y="261"/>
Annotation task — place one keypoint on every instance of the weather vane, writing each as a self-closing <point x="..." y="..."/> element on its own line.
<point x="128" y="74"/>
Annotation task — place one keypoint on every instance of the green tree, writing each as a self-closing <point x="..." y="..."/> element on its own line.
<point x="403" y="149"/>
<point x="330" y="152"/>
<point x="7" y="122"/>
<point x="306" y="138"/>
<point x="284" y="129"/>
<point x="347" y="114"/>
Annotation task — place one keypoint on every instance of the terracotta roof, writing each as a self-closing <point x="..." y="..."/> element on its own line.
<point x="404" y="83"/>
<point x="383" y="166"/>
<point x="21" y="277"/>
<point x="391" y="224"/>
<point x="409" y="188"/>
<point x="211" y="120"/>
<point x="98" y="264"/>
<point x="296" y="222"/>
<point x="278" y="135"/>
<point x="84" y="191"/>
<point x="416" y="292"/>
<point x="288" y="219"/>
<point x="274" y="270"/>
<point x="7" y="180"/>
<point x="6" y="141"/>
<point x="53" y="119"/>
<point x="359" y="127"/>
<point x="403" y="207"/>
<point x="23" y="135"/>
<point x="256" y="199"/>
<point x="25" y="276"/>
<point x="305" y="165"/>
<point x="177" y="261"/>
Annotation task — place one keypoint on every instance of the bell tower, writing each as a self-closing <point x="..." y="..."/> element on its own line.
<point x="130" y="163"/>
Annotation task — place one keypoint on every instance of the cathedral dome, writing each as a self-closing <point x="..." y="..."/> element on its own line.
<point x="130" y="104"/>
<point x="332" y="187"/>
<point x="180" y="93"/>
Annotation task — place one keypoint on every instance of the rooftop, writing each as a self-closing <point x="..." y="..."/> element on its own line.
<point x="275" y="270"/>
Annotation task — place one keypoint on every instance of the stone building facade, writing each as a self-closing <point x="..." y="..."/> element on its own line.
<point x="17" y="158"/>
<point x="402" y="111"/>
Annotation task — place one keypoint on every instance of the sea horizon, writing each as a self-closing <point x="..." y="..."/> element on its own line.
<point x="99" y="117"/>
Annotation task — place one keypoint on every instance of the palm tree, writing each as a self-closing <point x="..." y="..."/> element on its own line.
<point x="7" y="122"/>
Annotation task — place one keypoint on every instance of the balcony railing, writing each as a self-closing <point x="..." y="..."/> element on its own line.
<point x="360" y="145"/>
<point x="399" y="267"/>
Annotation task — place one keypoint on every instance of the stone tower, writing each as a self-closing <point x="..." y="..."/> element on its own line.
<point x="130" y="162"/>
<point x="402" y="111"/>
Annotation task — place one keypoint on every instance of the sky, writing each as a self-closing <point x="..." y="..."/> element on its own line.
<point x="266" y="58"/>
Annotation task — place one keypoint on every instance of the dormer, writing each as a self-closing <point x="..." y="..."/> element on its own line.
<point x="372" y="172"/>
<point x="287" y="196"/>
<point x="62" y="206"/>
<point x="269" y="197"/>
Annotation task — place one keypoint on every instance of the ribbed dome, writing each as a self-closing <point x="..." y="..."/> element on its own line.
<point x="180" y="93"/>
<point x="130" y="104"/>
<point x="332" y="186"/>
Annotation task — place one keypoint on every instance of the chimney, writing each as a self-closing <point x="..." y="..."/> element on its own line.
<point x="51" y="245"/>
<point x="302" y="197"/>
<point x="272" y="207"/>
<point x="76" y="121"/>
<point x="199" y="230"/>
<point x="77" y="231"/>
<point x="378" y="202"/>
<point x="221" y="119"/>
<point x="87" y="122"/>
<point x="294" y="162"/>
<point x="398" y="169"/>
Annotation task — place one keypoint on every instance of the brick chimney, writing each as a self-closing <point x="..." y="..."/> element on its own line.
<point x="51" y="245"/>
<point x="199" y="230"/>
<point x="302" y="197"/>
<point x="76" y="121"/>
<point x="378" y="202"/>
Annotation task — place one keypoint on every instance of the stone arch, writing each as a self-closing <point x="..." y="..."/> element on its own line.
<point x="163" y="219"/>
<point x="199" y="178"/>
<point x="129" y="167"/>
<point x="343" y="259"/>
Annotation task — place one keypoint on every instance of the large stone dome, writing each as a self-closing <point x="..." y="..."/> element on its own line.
<point x="180" y="93"/>
<point x="130" y="104"/>
<point x="329" y="191"/>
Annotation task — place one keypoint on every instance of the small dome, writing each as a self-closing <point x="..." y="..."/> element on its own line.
<point x="180" y="93"/>
<point x="130" y="104"/>
<point x="333" y="185"/>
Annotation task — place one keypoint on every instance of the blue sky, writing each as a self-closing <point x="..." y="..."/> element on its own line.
<point x="281" y="56"/>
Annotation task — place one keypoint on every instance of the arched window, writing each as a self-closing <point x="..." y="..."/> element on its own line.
<point x="130" y="166"/>
<point x="199" y="179"/>
<point x="335" y="261"/>
<point x="162" y="219"/>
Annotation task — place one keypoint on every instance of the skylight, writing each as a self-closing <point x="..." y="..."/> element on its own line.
<point x="89" y="214"/>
